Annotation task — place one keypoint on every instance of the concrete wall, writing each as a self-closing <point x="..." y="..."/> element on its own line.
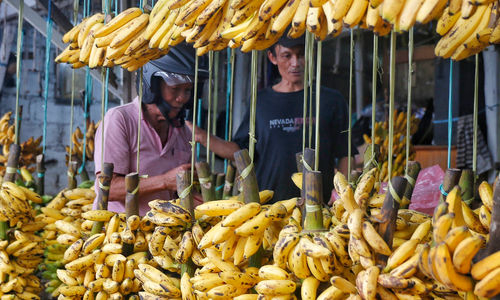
<point x="58" y="112"/>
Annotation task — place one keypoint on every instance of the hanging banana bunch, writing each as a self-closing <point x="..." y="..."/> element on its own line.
<point x="77" y="139"/>
<point x="29" y="149"/>
<point x="399" y="146"/>
<point x="118" y="42"/>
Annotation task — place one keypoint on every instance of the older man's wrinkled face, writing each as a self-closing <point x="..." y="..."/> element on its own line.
<point x="290" y="62"/>
<point x="177" y="95"/>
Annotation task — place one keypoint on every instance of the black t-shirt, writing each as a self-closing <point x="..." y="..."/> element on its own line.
<point x="278" y="130"/>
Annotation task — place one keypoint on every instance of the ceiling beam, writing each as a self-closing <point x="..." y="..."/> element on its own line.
<point x="40" y="25"/>
<point x="57" y="15"/>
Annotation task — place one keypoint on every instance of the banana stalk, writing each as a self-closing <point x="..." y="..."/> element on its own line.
<point x="131" y="205"/>
<point x="229" y="181"/>
<point x="412" y="171"/>
<point x="102" y="197"/>
<point x="183" y="180"/>
<point x="72" y="169"/>
<point x="313" y="201"/>
<point x="466" y="184"/>
<point x="206" y="182"/>
<point x="451" y="179"/>
<point x="219" y="184"/>
<point x="39" y="178"/>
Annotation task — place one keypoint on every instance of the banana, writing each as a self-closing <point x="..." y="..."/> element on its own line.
<point x="241" y="215"/>
<point x="355" y="222"/>
<point x="297" y="262"/>
<point x="163" y="219"/>
<point x="330" y="293"/>
<point x="447" y="273"/>
<point x="85" y="29"/>
<point x="299" y="19"/>
<point x="489" y="286"/>
<point x="391" y="10"/>
<point x="485" y="266"/>
<point x="275" y="287"/>
<point x="73" y="251"/>
<point x="313" y="250"/>
<point x="83" y="262"/>
<point x="462" y="29"/>
<point x="408" y="15"/>
<point x="254" y="226"/>
<point x="270" y="272"/>
<point x="186" y="248"/>
<point x="217" y="208"/>
<point x="186" y="287"/>
<point x="352" y="18"/>
<point x="472" y="220"/>
<point x="93" y="243"/>
<point x="446" y="21"/>
<point x="486" y="192"/>
<point x="375" y="241"/>
<point x="485" y="217"/>
<point x="309" y="288"/>
<point x="98" y="215"/>
<point x="66" y="278"/>
<point x="340" y="10"/>
<point x="455" y="236"/>
<point x="119" y="21"/>
<point x="132" y="28"/>
<point x="72" y="35"/>
<point x="442" y="226"/>
<point x="238" y="279"/>
<point x="409" y="267"/>
<point x="252" y="245"/>
<point x="401" y="254"/>
<point x="269" y="8"/>
<point x="422" y="231"/>
<point x="465" y="251"/>
<point x="429" y="10"/>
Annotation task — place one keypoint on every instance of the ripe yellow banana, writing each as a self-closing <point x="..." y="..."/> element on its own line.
<point x="489" y="286"/>
<point x="446" y="21"/>
<point x="131" y="29"/>
<point x="465" y="252"/>
<point x="455" y="236"/>
<point x="117" y="22"/>
<point x="447" y="273"/>
<point x="309" y="288"/>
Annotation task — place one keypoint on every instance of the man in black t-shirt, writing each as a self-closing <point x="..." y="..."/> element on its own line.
<point x="279" y="121"/>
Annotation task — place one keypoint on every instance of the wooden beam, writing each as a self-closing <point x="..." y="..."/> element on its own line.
<point x="56" y="14"/>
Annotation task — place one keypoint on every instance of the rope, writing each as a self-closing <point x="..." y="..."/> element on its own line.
<point x="20" y="36"/>
<point x="475" y="117"/>
<point x="392" y="79"/>
<point x="349" y="135"/>
<point x="441" y="189"/>
<point x="318" y="90"/>
<point x="374" y="89"/>
<point x="394" y="195"/>
<point x="195" y="96"/>
<point x="229" y="97"/>
<point x="210" y="78"/>
<point x="253" y="105"/>
<point x="72" y="110"/>
<point x="408" y="108"/>
<point x="139" y="121"/>
<point x="198" y="123"/>
<point x="216" y="102"/>
<point x="104" y="93"/>
<point x="306" y="78"/>
<point x="88" y="95"/>
<point x="450" y="112"/>
<point x="310" y="79"/>
<point x="47" y="75"/>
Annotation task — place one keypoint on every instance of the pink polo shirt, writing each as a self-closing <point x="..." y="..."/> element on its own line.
<point x="121" y="150"/>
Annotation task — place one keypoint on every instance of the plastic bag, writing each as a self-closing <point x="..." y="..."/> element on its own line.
<point x="426" y="192"/>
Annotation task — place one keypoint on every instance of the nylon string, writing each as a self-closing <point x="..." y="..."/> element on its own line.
<point x="408" y="108"/>
<point x="209" y="121"/>
<point x="47" y="73"/>
<point x="104" y="93"/>
<point x="216" y="102"/>
<point x="318" y="90"/>
<point x="229" y="97"/>
<point x="139" y="122"/>
<point x="310" y="79"/>
<point x="18" y="66"/>
<point x="349" y="137"/>
<point x="475" y="117"/>
<point x="306" y="74"/>
<point x="374" y="90"/>
<point x="88" y="92"/>
<point x="72" y="110"/>
<point x="392" y="78"/>
<point x="253" y="106"/>
<point x="450" y="112"/>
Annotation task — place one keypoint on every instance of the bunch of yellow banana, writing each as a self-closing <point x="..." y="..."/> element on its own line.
<point x="20" y="256"/>
<point x="95" y="265"/>
<point x="77" y="141"/>
<point x="399" y="145"/>
<point x="118" y="42"/>
<point x="29" y="149"/>
<point x="15" y="206"/>
<point x="467" y="28"/>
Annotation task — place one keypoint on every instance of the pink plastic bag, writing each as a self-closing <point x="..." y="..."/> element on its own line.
<point x="426" y="192"/>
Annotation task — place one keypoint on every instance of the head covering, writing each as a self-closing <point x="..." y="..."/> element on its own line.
<point x="290" y="43"/>
<point x="176" y="67"/>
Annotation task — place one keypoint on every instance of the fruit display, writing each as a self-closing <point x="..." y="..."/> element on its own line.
<point x="21" y="251"/>
<point x="119" y="41"/>
<point x="399" y="144"/>
<point x="77" y="139"/>
<point x="29" y="148"/>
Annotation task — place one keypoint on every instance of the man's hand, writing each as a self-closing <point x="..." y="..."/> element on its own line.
<point x="200" y="135"/>
<point x="170" y="176"/>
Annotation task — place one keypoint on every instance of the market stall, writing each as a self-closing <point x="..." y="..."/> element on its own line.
<point x="391" y="229"/>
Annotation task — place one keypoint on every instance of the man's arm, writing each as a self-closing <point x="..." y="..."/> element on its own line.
<point x="222" y="148"/>
<point x="343" y="164"/>
<point x="147" y="186"/>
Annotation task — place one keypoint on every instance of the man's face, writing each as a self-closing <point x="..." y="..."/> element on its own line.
<point x="177" y="95"/>
<point x="290" y="62"/>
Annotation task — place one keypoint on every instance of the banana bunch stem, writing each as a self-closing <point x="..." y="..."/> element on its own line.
<point x="102" y="198"/>
<point x="39" y="178"/>
<point x="229" y="181"/>
<point x="466" y="184"/>
<point x="412" y="173"/>
<point x="131" y="204"/>
<point x="205" y="178"/>
<point x="314" y="198"/>
<point x="183" y="179"/>
<point x="451" y="179"/>
<point x="250" y="188"/>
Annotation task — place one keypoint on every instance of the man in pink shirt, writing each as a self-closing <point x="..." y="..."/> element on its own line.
<point x="164" y="141"/>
